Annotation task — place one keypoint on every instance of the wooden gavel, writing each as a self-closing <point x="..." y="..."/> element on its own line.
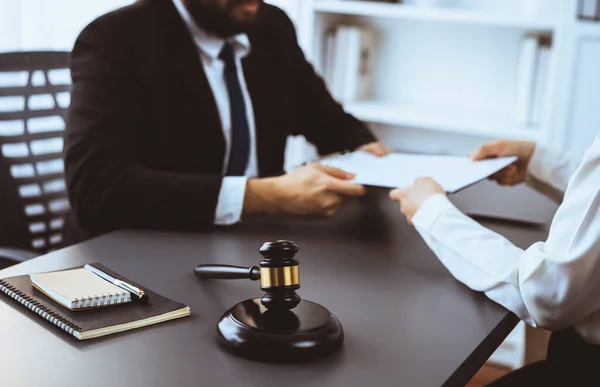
<point x="278" y="273"/>
<point x="277" y="327"/>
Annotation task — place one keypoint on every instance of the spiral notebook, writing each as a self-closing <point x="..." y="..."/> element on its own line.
<point x="94" y="322"/>
<point x="79" y="289"/>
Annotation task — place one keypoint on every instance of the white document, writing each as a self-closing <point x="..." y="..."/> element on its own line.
<point x="401" y="170"/>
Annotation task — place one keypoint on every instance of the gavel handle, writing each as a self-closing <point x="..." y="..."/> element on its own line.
<point x="228" y="272"/>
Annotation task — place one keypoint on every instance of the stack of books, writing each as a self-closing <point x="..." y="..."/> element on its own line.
<point x="347" y="62"/>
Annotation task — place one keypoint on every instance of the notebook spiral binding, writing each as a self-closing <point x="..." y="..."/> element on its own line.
<point x="101" y="300"/>
<point x="39" y="309"/>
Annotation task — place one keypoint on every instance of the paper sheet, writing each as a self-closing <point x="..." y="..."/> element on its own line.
<point x="400" y="169"/>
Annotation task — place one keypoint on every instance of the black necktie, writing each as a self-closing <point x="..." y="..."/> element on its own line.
<point x="240" y="132"/>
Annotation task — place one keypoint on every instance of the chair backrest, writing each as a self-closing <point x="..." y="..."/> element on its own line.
<point x="34" y="97"/>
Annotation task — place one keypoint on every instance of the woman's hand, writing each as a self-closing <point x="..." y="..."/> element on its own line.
<point x="412" y="198"/>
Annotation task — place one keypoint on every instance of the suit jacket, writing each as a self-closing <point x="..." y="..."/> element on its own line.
<point x="144" y="145"/>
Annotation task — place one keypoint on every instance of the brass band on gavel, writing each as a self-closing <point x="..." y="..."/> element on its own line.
<point x="279" y="276"/>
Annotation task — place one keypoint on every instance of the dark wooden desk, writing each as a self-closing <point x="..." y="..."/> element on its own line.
<point x="407" y="321"/>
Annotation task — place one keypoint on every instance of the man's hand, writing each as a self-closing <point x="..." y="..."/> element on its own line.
<point x="515" y="173"/>
<point x="376" y="148"/>
<point x="309" y="191"/>
<point x="412" y="198"/>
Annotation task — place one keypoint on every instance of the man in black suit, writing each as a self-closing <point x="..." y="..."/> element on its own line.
<point x="179" y="116"/>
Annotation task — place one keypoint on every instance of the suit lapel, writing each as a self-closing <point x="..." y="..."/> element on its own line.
<point x="193" y="78"/>
<point x="254" y="74"/>
<point x="189" y="73"/>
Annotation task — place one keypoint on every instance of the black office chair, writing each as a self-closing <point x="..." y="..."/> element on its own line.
<point x="34" y="97"/>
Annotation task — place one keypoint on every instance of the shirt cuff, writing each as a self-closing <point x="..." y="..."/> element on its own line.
<point x="430" y="211"/>
<point x="231" y="200"/>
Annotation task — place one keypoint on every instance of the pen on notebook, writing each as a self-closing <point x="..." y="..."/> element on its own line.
<point x="136" y="293"/>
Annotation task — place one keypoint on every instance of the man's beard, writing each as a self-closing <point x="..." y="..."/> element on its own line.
<point x="218" y="20"/>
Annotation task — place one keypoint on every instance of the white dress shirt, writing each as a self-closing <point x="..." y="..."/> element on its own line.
<point x="552" y="284"/>
<point x="233" y="188"/>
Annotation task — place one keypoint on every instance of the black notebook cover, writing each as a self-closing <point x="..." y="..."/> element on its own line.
<point x="77" y="323"/>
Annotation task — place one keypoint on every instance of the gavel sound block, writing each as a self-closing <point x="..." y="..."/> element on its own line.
<point x="279" y="327"/>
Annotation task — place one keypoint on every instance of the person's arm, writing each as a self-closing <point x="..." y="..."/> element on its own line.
<point x="539" y="167"/>
<point x="552" y="284"/>
<point x="549" y="172"/>
<point x="321" y="119"/>
<point x="109" y="187"/>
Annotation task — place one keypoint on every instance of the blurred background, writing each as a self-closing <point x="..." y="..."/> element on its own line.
<point x="442" y="75"/>
<point x="429" y="76"/>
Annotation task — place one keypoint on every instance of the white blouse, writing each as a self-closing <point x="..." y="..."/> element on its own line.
<point x="554" y="283"/>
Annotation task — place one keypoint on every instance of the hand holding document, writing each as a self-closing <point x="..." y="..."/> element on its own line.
<point x="453" y="173"/>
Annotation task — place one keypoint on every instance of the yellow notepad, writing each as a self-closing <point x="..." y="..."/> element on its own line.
<point x="79" y="289"/>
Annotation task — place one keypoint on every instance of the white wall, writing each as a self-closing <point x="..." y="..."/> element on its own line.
<point x="55" y="24"/>
<point x="48" y="24"/>
<point x="10" y="26"/>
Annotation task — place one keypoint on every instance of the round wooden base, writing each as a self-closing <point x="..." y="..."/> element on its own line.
<point x="303" y="333"/>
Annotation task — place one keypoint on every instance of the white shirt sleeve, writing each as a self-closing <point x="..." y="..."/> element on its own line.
<point x="231" y="200"/>
<point x="549" y="172"/>
<point x="552" y="284"/>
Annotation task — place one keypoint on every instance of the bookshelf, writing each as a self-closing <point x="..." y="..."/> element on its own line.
<point x="451" y="121"/>
<point x="451" y="70"/>
<point x="447" y="15"/>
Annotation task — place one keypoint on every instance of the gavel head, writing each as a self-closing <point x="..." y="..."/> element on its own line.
<point x="279" y="275"/>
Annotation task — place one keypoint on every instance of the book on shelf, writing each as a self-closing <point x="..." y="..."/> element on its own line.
<point x="532" y="80"/>
<point x="526" y="75"/>
<point x="347" y="62"/>
<point x="541" y="85"/>
<point x="588" y="10"/>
